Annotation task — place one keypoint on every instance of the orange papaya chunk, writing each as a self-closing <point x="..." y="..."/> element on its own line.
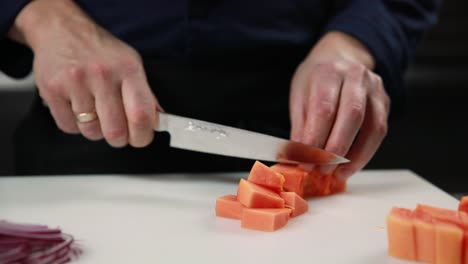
<point x="449" y="241"/>
<point x="463" y="205"/>
<point x="252" y="195"/>
<point x="227" y="206"/>
<point x="441" y="214"/>
<point x="318" y="184"/>
<point x="465" y="248"/>
<point x="265" y="219"/>
<point x="297" y="203"/>
<point x="424" y="233"/>
<point x="401" y="240"/>
<point x="337" y="186"/>
<point x="294" y="177"/>
<point x="265" y="176"/>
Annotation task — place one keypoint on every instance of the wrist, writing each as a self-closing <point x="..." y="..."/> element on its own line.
<point x="337" y="45"/>
<point x="38" y="18"/>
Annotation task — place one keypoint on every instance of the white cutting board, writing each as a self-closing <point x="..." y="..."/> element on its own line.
<point x="170" y="219"/>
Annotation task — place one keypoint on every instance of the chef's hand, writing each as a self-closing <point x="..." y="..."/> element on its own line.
<point x="80" y="68"/>
<point x="338" y="103"/>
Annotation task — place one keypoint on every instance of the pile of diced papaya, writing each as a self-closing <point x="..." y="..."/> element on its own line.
<point x="271" y="195"/>
<point x="429" y="234"/>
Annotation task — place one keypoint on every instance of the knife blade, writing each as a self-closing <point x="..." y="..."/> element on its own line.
<point x="201" y="136"/>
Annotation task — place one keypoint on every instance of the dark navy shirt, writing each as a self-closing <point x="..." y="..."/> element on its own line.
<point x="247" y="31"/>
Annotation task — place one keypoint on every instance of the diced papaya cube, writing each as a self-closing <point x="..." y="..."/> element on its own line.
<point x="265" y="176"/>
<point x="265" y="219"/>
<point x="297" y="203"/>
<point x="449" y="241"/>
<point x="252" y="195"/>
<point x="317" y="184"/>
<point x="337" y="186"/>
<point x="463" y="219"/>
<point x="424" y="232"/>
<point x="441" y="214"/>
<point x="294" y="177"/>
<point x="465" y="248"/>
<point x="401" y="240"/>
<point x="227" y="206"/>
<point x="463" y="205"/>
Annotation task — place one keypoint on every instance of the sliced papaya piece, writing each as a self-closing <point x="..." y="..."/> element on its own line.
<point x="229" y="207"/>
<point x="465" y="248"/>
<point x="424" y="233"/>
<point x="401" y="240"/>
<point x="463" y="205"/>
<point x="294" y="201"/>
<point x="294" y="177"/>
<point x="449" y="241"/>
<point x="252" y="195"/>
<point x="318" y="184"/>
<point x="265" y="219"/>
<point x="265" y="176"/>
<point x="337" y="186"/>
<point x="442" y="214"/>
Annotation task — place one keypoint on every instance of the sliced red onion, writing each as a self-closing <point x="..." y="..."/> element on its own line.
<point x="14" y="254"/>
<point x="43" y="237"/>
<point x="35" y="244"/>
<point x="52" y="251"/>
<point x="25" y="226"/>
<point x="13" y="242"/>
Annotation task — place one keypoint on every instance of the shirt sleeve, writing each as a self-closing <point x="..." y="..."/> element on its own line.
<point x="15" y="59"/>
<point x="390" y="29"/>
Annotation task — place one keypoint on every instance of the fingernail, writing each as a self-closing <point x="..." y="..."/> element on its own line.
<point x="326" y="170"/>
<point x="342" y="174"/>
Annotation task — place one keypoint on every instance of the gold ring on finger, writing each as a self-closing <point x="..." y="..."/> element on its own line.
<point x="86" y="117"/>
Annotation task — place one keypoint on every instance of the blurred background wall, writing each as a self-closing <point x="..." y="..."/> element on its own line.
<point x="430" y="138"/>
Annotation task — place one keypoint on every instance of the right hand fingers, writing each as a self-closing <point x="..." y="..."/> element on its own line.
<point x="82" y="101"/>
<point x="325" y="87"/>
<point x="109" y="107"/>
<point x="126" y="108"/>
<point x="140" y="107"/>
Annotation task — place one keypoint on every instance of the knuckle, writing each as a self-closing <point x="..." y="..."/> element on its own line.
<point x="358" y="69"/>
<point x="357" y="112"/>
<point x="338" y="148"/>
<point x="378" y="80"/>
<point x="381" y="128"/>
<point x="337" y="66"/>
<point x="75" y="73"/>
<point x="100" y="70"/>
<point x="325" y="110"/>
<point x="51" y="87"/>
<point x="130" y="65"/>
<point x="334" y="66"/>
<point x="358" y="73"/>
<point x="140" y="117"/>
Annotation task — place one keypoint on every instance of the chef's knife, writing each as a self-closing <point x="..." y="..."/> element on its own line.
<point x="202" y="136"/>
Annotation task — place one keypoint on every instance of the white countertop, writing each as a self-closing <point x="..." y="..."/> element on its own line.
<point x="170" y="218"/>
